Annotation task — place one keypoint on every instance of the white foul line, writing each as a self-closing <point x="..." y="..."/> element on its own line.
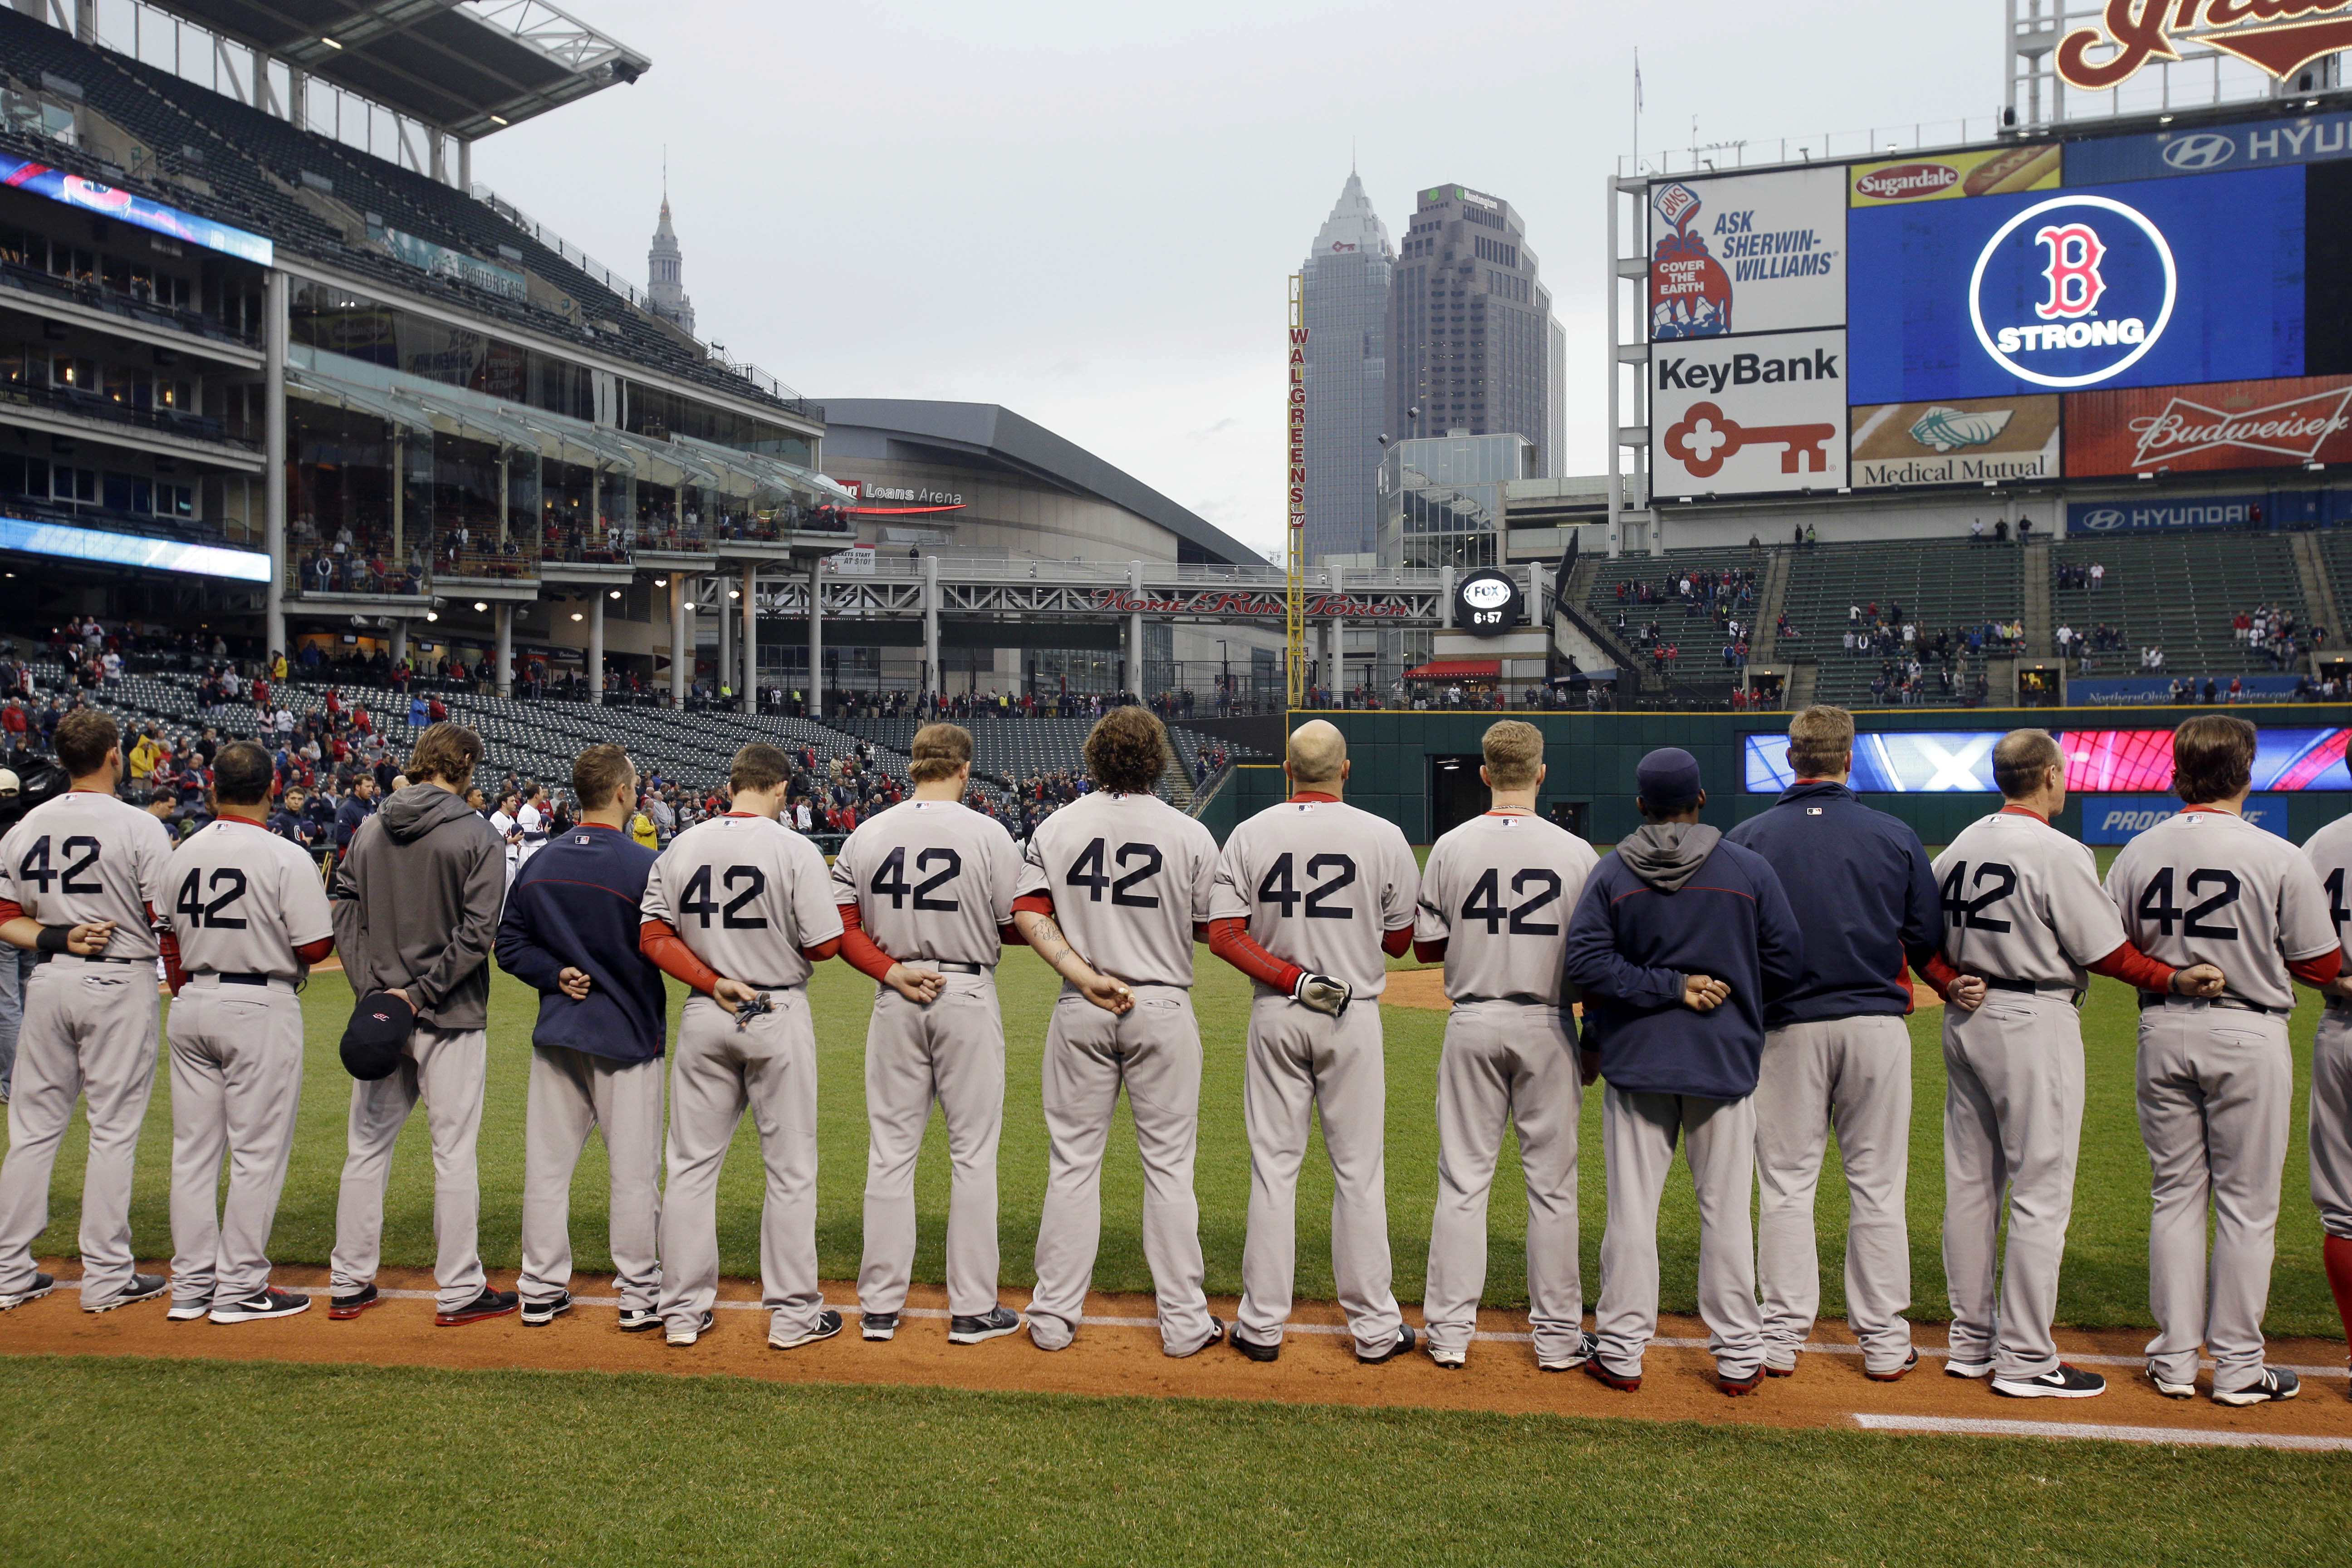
<point x="1970" y="1427"/>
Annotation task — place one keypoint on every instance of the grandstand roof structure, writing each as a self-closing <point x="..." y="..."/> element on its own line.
<point x="959" y="433"/>
<point x="469" y="67"/>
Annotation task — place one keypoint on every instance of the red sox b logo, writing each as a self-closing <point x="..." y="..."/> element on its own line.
<point x="2073" y="273"/>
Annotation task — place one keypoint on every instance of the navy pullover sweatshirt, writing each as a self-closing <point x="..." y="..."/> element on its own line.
<point x="574" y="905"/>
<point x="1696" y="905"/>
<point x="1869" y="897"/>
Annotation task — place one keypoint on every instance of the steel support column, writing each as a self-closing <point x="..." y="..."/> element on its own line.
<point x="596" y="648"/>
<point x="275" y="295"/>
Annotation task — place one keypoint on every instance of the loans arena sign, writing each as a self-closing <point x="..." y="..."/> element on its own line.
<point x="2281" y="36"/>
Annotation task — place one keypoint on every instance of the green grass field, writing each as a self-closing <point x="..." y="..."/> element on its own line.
<point x="2105" y="1283"/>
<point x="133" y="1463"/>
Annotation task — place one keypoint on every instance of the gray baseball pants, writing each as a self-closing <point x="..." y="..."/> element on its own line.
<point x="1507" y="1063"/>
<point x="2012" y="1130"/>
<point x="769" y="1068"/>
<point x="953" y="1052"/>
<point x="1853" y="1074"/>
<point x="1154" y="1049"/>
<point x="1299" y="1063"/>
<point x="1638" y="1133"/>
<point x="89" y="1029"/>
<point x="447" y="1069"/>
<point x="571" y="1093"/>
<point x="2331" y="1119"/>
<point x="236" y="1084"/>
<point x="2216" y="1093"/>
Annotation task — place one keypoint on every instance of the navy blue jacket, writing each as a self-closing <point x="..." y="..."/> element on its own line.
<point x="574" y="905"/>
<point x="1630" y="946"/>
<point x="347" y="818"/>
<point x="1869" y="897"/>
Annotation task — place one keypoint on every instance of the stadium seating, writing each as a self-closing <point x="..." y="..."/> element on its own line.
<point x="1941" y="585"/>
<point x="2180" y="592"/>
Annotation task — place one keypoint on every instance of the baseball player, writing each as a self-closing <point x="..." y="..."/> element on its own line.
<point x="2024" y="911"/>
<point x="2330" y="852"/>
<point x="932" y="880"/>
<point x="739" y="908"/>
<point x="531" y="827"/>
<point x="571" y="932"/>
<point x="1313" y="896"/>
<point x="502" y="822"/>
<point x="1837" y="1050"/>
<point x="1116" y="888"/>
<point x="251" y="918"/>
<point x="81" y="876"/>
<point x="2216" y="1076"/>
<point x="1495" y="900"/>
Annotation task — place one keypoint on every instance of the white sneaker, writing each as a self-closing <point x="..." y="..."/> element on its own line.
<point x="186" y="1312"/>
<point x="2168" y="1388"/>
<point x="688" y="1335"/>
<point x="1450" y="1360"/>
<point x="2274" y="1383"/>
<point x="1955" y="1367"/>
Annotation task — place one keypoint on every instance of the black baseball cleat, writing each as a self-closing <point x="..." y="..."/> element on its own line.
<point x="1404" y="1343"/>
<point x="1587" y="1347"/>
<point x="828" y="1324"/>
<point x="269" y="1303"/>
<point x="2061" y="1382"/>
<point x="877" y="1326"/>
<point x="1909" y="1362"/>
<point x="1598" y="1370"/>
<point x="538" y="1314"/>
<point x="2274" y="1383"/>
<point x="639" y="1320"/>
<point x="1252" y="1349"/>
<point x="1735" y="1386"/>
<point x="1788" y="1370"/>
<point x="993" y="1324"/>
<point x="41" y="1285"/>
<point x="687" y="1333"/>
<point x="342" y="1308"/>
<point x="1217" y="1333"/>
<point x="142" y="1287"/>
<point x="488" y="1304"/>
<point x="2168" y="1388"/>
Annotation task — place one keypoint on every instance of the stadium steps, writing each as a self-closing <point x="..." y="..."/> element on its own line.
<point x="1939" y="584"/>
<point x="1771" y="594"/>
<point x="2039" y="627"/>
<point x="1804" y="681"/>
<point x="2178" y="592"/>
<point x="2318" y="587"/>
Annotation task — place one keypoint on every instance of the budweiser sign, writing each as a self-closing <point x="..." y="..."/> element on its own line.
<point x="2211" y="428"/>
<point x="2281" y="36"/>
<point x="2293" y="429"/>
<point x="1227" y="602"/>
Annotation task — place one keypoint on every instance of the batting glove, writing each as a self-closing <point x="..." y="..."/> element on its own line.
<point x="1323" y="993"/>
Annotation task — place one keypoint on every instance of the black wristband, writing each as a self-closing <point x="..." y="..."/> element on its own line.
<point x="52" y="939"/>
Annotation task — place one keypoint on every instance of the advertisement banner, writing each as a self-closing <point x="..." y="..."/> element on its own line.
<point x="2155" y="691"/>
<point x="2205" y="429"/>
<point x="73" y="542"/>
<point x="2209" y="149"/>
<point x="2158" y="513"/>
<point x="1748" y="253"/>
<point x="2120" y="818"/>
<point x="1969" y="440"/>
<point x="2164" y="283"/>
<point x="2139" y="762"/>
<point x="138" y="211"/>
<point x="443" y="262"/>
<point x="1748" y="415"/>
<point x="1988" y="172"/>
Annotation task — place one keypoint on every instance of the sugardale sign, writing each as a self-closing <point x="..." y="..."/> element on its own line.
<point x="2280" y="37"/>
<point x="1227" y="602"/>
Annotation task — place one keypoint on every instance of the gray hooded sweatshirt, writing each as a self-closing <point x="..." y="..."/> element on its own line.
<point x="1666" y="854"/>
<point x="416" y="902"/>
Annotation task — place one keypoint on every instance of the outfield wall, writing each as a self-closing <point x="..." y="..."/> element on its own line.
<point x="1591" y="758"/>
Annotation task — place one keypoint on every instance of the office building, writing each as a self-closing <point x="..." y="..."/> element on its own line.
<point x="665" y="276"/>
<point x="1347" y="298"/>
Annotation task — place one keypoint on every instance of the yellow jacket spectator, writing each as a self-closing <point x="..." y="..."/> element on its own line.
<point x="641" y="828"/>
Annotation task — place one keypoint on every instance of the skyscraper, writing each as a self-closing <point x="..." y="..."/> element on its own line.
<point x="664" y="265"/>
<point x="1472" y="342"/>
<point x="1346" y="284"/>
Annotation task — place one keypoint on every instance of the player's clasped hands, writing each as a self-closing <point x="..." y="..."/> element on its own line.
<point x="921" y="986"/>
<point x="1702" y="993"/>
<point x="2199" y="980"/>
<point x="1967" y="992"/>
<point x="89" y="939"/>
<point x="573" y="983"/>
<point x="1110" y="995"/>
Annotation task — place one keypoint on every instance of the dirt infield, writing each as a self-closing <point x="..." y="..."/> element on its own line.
<point x="1117" y="1353"/>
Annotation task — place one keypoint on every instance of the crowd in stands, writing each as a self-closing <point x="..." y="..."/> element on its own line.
<point x="2271" y="632"/>
<point x="2089" y="577"/>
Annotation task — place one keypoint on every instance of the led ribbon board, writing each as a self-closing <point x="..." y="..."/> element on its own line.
<point x="1947" y="762"/>
<point x="106" y="201"/>
<point x="132" y="550"/>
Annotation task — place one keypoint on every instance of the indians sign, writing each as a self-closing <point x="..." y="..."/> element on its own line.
<point x="1227" y="602"/>
<point x="2280" y="37"/>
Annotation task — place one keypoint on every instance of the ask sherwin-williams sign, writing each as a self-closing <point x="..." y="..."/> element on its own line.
<point x="1748" y="253"/>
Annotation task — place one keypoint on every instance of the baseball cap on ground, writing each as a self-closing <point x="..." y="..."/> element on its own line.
<point x="1667" y="779"/>
<point x="380" y="1026"/>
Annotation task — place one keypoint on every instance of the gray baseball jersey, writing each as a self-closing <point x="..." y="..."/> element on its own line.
<point x="1319" y="883"/>
<point x="746" y="893"/>
<point x="1131" y="876"/>
<point x="2022" y="901"/>
<point x="88" y="857"/>
<point x="243" y="899"/>
<point x="931" y="879"/>
<point x="2209" y="887"/>
<point x="1497" y="891"/>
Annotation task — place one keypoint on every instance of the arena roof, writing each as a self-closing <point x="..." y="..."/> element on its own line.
<point x="903" y="427"/>
<point x="470" y="66"/>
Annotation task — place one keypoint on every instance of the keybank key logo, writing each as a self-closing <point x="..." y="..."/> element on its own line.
<point x="2072" y="292"/>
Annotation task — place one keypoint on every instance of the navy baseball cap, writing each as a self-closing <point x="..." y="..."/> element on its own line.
<point x="380" y="1026"/>
<point x="1667" y="779"/>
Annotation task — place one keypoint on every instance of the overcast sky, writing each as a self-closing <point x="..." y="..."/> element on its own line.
<point x="1087" y="212"/>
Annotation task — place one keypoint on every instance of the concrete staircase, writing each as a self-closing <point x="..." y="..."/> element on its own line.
<point x="1179" y="784"/>
<point x="1770" y="595"/>
<point x="1804" y="677"/>
<point x="2318" y="588"/>
<point x="2039" y="623"/>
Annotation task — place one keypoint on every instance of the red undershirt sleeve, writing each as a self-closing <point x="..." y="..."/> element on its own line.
<point x="1034" y="903"/>
<point x="1938" y="973"/>
<point x="861" y="951"/>
<point x="822" y="951"/>
<point x="10" y="909"/>
<point x="659" y="940"/>
<point x="1230" y="941"/>
<point x="315" y="951"/>
<point x="1395" y="943"/>
<point x="2319" y="969"/>
<point x="1430" y="952"/>
<point x="2132" y="967"/>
